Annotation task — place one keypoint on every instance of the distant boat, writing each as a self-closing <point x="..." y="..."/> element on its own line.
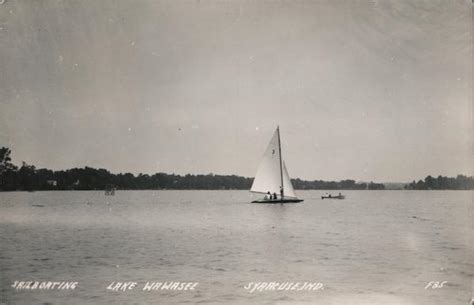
<point x="272" y="176"/>
<point x="340" y="196"/>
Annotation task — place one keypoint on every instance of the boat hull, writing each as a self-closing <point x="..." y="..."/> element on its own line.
<point x="286" y="200"/>
<point x="333" y="197"/>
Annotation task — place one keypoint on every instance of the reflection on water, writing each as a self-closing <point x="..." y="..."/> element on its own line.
<point x="374" y="247"/>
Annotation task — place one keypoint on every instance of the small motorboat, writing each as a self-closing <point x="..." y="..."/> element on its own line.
<point x="329" y="196"/>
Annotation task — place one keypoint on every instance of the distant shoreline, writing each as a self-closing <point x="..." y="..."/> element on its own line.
<point x="29" y="178"/>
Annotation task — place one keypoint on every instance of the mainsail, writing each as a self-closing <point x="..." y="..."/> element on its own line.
<point x="272" y="171"/>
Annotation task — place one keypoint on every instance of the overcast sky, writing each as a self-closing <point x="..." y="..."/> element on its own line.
<point x="368" y="90"/>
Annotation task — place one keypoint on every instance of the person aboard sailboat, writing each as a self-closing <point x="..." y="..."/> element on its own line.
<point x="268" y="196"/>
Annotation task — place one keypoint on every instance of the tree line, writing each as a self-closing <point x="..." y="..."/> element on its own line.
<point x="28" y="178"/>
<point x="336" y="185"/>
<point x="461" y="182"/>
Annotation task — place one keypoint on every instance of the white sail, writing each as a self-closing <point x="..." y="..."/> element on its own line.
<point x="287" y="186"/>
<point x="268" y="177"/>
<point x="270" y="174"/>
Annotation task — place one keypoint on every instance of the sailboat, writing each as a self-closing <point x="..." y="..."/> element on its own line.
<point x="272" y="176"/>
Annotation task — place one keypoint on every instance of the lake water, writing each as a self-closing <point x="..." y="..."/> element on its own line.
<point x="375" y="247"/>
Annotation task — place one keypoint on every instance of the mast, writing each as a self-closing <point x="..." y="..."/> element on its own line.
<point x="281" y="167"/>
